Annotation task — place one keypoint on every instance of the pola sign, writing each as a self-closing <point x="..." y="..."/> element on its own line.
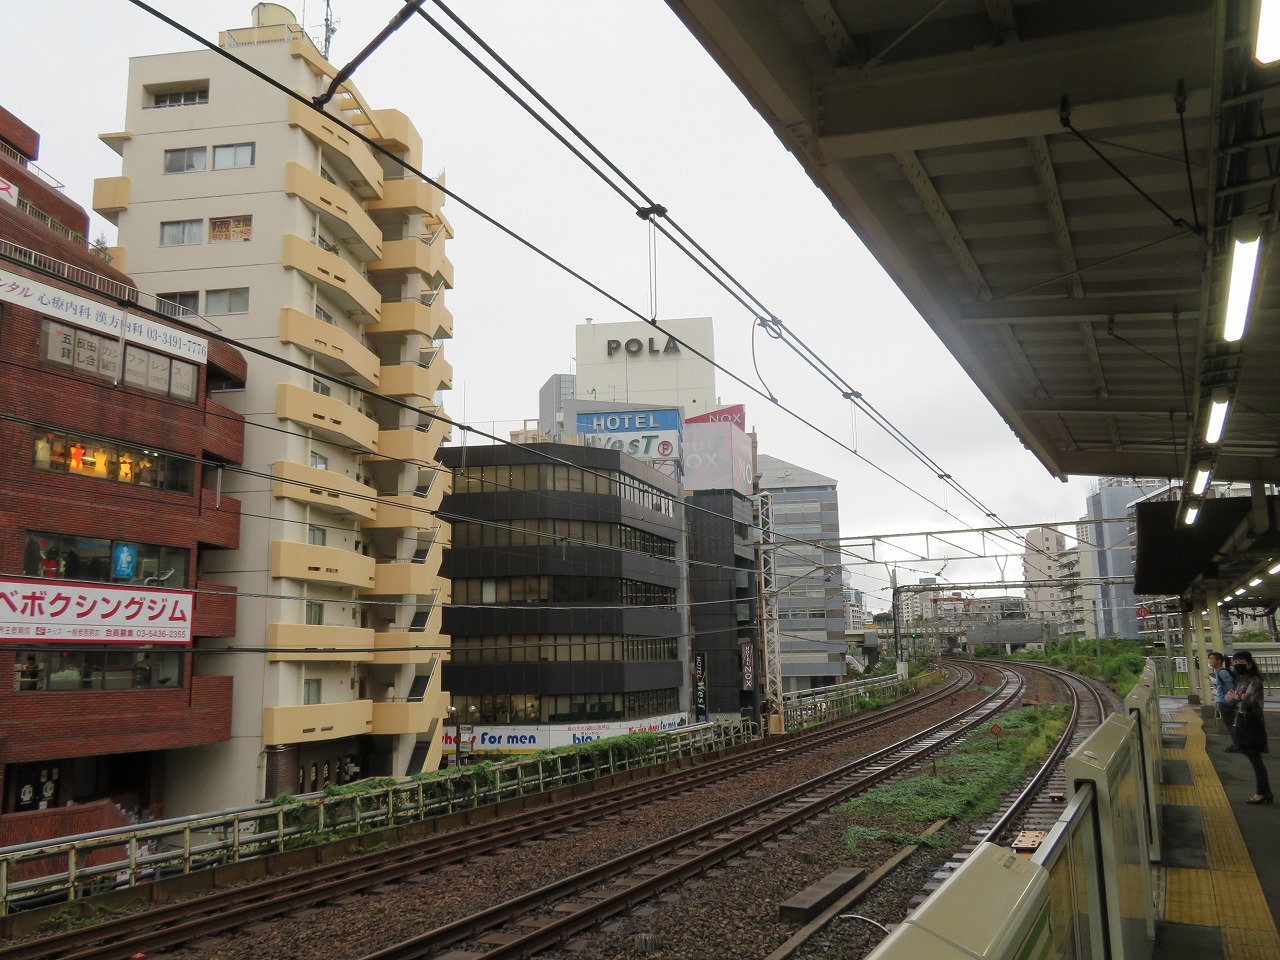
<point x="644" y="434"/>
<point x="636" y="347"/>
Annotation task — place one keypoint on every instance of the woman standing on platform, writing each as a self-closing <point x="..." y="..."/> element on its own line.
<point x="1223" y="682"/>
<point x="1250" y="727"/>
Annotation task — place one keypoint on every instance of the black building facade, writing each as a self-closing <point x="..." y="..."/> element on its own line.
<point x="566" y="565"/>
<point x="723" y="605"/>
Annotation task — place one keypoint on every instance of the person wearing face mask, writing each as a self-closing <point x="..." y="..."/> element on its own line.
<point x="1250" y="726"/>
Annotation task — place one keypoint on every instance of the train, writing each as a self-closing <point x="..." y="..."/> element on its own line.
<point x="1088" y="890"/>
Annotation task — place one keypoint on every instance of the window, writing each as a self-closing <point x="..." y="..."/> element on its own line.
<point x="322" y="388"/>
<point x="323" y="314"/>
<point x="311" y="691"/>
<point x="315" y="613"/>
<point x="175" y="233"/>
<point x="319" y="461"/>
<point x="59" y="556"/>
<point x="226" y="229"/>
<point x="230" y="300"/>
<point x="326" y="175"/>
<point x="228" y="156"/>
<point x="90" y="456"/>
<point x="315" y="535"/>
<point x="185" y="159"/>
<point x="101" y="357"/>
<point x="182" y="98"/>
<point x="178" y="304"/>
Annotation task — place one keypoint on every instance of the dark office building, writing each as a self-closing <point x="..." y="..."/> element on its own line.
<point x="722" y="594"/>
<point x="566" y="567"/>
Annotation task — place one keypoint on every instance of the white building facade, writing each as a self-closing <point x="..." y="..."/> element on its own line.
<point x="296" y="238"/>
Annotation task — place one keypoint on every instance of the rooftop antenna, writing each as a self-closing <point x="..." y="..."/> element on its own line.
<point x="330" y="26"/>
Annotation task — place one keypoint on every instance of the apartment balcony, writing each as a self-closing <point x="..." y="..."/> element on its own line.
<point x="223" y="436"/>
<point x="315" y="722"/>
<point x="316" y="564"/>
<point x="432" y="320"/>
<point x="215" y="610"/>
<point x="402" y="257"/>
<point x="341" y="280"/>
<point x="401" y="510"/>
<point x="313" y="641"/>
<point x="111" y="197"/>
<point x="409" y="646"/>
<point x="406" y="716"/>
<point x="219" y="520"/>
<point x="337" y="348"/>
<point x="326" y="489"/>
<point x="413" y="444"/>
<point x="327" y="417"/>
<point x="353" y="160"/>
<point x="410" y="195"/>
<point x="416" y="379"/>
<point x="397" y="578"/>
<point x="340" y="213"/>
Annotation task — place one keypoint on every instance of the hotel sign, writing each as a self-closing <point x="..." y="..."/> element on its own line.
<point x="69" y="611"/>
<point x="644" y="434"/>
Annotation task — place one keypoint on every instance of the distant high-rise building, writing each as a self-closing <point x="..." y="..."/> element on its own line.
<point x="1039" y="562"/>
<point x="806" y="513"/>
<point x="1109" y="510"/>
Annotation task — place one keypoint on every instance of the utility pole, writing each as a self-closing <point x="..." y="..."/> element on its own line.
<point x="769" y="629"/>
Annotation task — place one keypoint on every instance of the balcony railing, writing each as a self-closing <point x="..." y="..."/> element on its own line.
<point x="30" y="167"/>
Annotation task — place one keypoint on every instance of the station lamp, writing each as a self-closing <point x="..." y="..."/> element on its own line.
<point x="1219" y="400"/>
<point x="1266" y="47"/>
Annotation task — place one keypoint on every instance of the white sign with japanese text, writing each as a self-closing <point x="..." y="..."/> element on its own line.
<point x="68" y="611"/>
<point x="100" y="318"/>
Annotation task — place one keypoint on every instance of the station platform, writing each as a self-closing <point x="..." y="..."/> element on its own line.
<point x="1219" y="879"/>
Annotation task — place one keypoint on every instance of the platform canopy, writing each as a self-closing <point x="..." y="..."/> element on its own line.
<point x="1058" y="187"/>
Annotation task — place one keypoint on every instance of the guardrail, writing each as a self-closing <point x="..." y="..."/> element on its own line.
<point x="42" y="873"/>
<point x="805" y="707"/>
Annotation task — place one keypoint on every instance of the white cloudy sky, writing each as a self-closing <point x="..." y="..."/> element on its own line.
<point x="633" y="80"/>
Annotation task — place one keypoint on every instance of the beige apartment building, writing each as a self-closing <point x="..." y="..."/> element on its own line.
<point x="294" y="237"/>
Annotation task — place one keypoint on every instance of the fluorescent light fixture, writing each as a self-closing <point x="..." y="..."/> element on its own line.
<point x="1274" y="570"/>
<point x="1244" y="262"/>
<point x="1256" y="581"/>
<point x="1267" y="47"/>
<point x="1217" y="416"/>
<point x="1201" y="480"/>
<point x="1192" y="513"/>
<point x="1239" y="591"/>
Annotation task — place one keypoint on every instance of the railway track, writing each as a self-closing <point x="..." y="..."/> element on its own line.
<point x="170" y="926"/>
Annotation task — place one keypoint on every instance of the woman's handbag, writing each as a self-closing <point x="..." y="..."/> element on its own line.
<point x="1250" y="730"/>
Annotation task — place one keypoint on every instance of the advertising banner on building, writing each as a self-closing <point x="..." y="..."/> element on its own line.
<point x="717" y="456"/>
<point x="91" y="315"/>
<point x="644" y="434"/>
<point x="68" y="611"/>
<point x="530" y="738"/>
<point x="748" y="652"/>
<point x="8" y="191"/>
<point x="700" y="687"/>
<point x="736" y="414"/>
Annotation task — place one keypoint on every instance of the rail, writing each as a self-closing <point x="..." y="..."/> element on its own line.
<point x="95" y="862"/>
<point x="31" y="168"/>
<point x="820" y="704"/>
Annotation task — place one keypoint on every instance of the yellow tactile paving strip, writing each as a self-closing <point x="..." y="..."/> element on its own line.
<point x="1228" y="894"/>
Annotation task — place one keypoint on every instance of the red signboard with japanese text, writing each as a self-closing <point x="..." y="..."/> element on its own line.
<point x="69" y="611"/>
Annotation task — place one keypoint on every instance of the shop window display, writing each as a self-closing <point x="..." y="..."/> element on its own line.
<point x="66" y="557"/>
<point x="93" y="457"/>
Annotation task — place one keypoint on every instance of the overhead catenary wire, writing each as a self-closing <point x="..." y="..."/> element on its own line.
<point x="739" y="291"/>
<point x="395" y="158"/>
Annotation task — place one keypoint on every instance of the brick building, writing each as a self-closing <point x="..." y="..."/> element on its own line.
<point x="109" y="511"/>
